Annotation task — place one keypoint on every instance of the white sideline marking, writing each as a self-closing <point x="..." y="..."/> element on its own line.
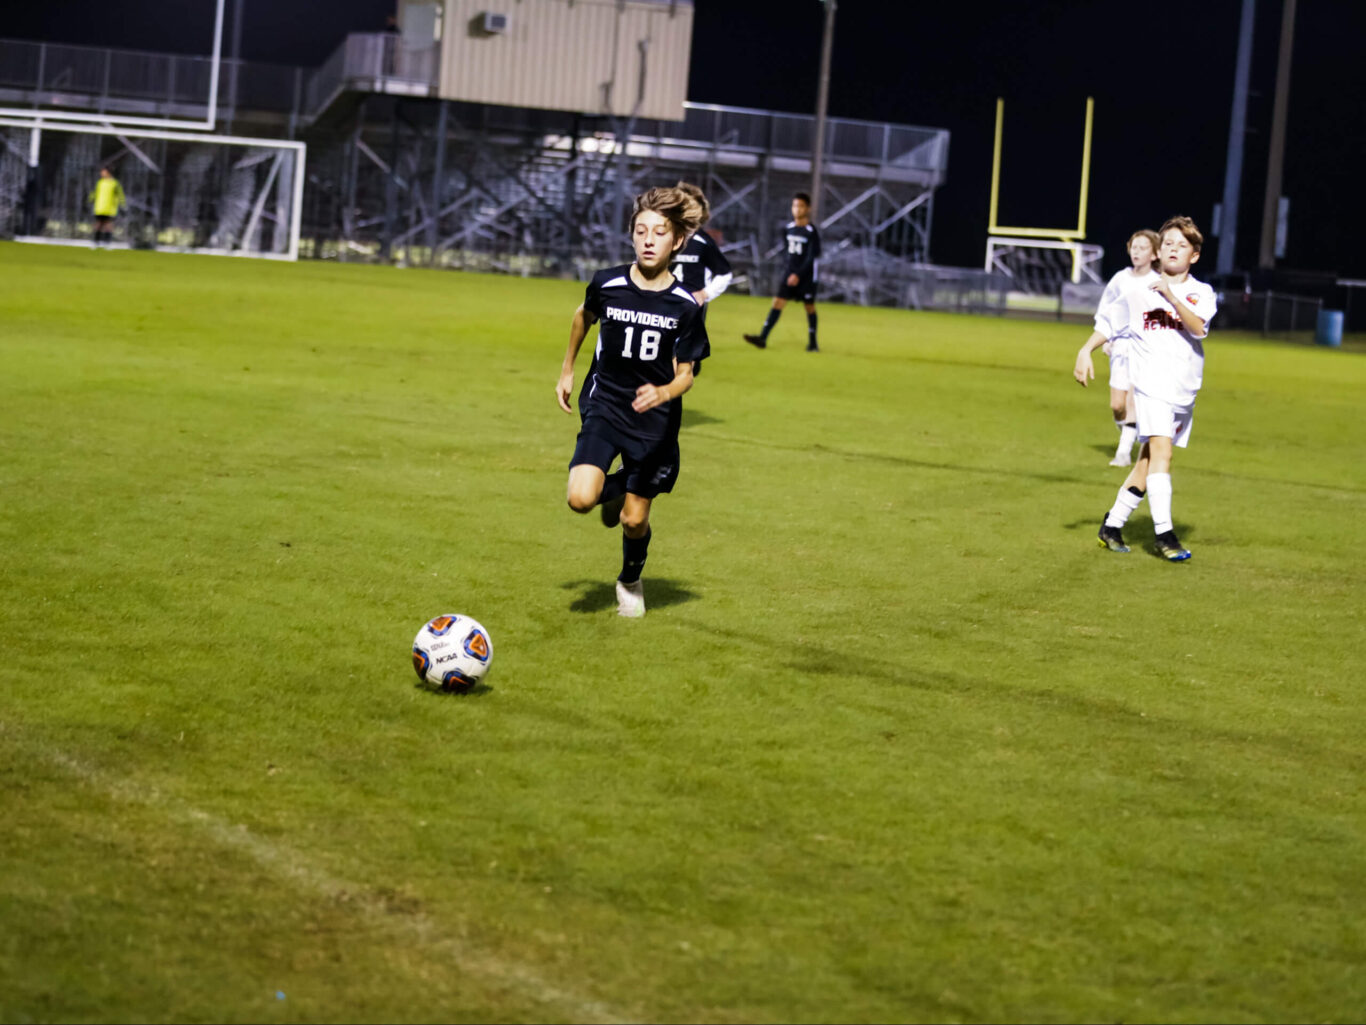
<point x="296" y="868"/>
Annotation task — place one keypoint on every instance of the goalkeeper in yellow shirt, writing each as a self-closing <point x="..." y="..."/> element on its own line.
<point x="108" y="198"/>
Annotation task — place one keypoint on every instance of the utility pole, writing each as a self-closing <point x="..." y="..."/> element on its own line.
<point x="822" y="101"/>
<point x="1237" y="128"/>
<point x="1276" y="160"/>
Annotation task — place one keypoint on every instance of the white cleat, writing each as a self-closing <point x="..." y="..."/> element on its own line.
<point x="631" y="600"/>
<point x="1121" y="461"/>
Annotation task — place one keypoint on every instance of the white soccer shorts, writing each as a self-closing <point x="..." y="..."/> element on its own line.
<point x="1158" y="419"/>
<point x="1119" y="367"/>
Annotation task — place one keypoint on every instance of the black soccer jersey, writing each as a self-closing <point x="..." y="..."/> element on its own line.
<point x="698" y="262"/>
<point x="641" y="335"/>
<point x="803" y="250"/>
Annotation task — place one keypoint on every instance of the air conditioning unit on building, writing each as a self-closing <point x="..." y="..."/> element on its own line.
<point x="493" y="24"/>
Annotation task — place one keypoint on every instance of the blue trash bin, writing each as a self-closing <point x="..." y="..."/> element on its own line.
<point x="1329" y="330"/>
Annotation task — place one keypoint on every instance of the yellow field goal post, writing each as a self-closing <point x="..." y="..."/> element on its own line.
<point x="1040" y="260"/>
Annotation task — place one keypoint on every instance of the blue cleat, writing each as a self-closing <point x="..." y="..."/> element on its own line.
<point x="1170" y="548"/>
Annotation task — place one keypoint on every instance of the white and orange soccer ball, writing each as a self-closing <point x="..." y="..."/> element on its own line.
<point x="452" y="652"/>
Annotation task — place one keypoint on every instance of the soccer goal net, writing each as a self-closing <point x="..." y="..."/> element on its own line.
<point x="183" y="191"/>
<point x="1043" y="266"/>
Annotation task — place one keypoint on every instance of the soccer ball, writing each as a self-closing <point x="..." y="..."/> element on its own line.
<point x="452" y="652"/>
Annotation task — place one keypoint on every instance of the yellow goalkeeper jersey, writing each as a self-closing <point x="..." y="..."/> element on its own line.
<point x="107" y="195"/>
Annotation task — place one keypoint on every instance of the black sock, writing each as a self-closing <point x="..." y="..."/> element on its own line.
<point x="1136" y="491"/>
<point x="614" y="486"/>
<point x="811" y="330"/>
<point x="772" y="319"/>
<point x="633" y="553"/>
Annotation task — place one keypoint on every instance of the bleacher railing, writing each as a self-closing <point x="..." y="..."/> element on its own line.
<point x="49" y="74"/>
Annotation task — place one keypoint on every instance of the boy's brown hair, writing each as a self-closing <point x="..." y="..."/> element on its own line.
<point x="1154" y="239"/>
<point x="681" y="209"/>
<point x="698" y="195"/>
<point x="1187" y="228"/>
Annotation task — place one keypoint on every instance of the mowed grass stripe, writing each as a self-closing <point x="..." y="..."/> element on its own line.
<point x="895" y="740"/>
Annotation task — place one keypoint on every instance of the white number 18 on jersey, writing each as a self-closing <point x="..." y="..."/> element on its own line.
<point x="649" y="343"/>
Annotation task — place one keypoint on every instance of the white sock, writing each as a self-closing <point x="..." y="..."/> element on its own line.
<point x="1160" y="501"/>
<point x="1128" y="434"/>
<point x="1125" y="503"/>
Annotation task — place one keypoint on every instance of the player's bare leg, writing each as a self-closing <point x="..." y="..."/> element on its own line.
<point x="585" y="487"/>
<point x="1122" y="407"/>
<point x="811" y="345"/>
<point x="635" y="545"/>
<point x="760" y="341"/>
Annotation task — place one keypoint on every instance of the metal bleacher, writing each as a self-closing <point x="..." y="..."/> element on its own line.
<point x="396" y="174"/>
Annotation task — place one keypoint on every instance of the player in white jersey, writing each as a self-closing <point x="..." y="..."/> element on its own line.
<point x="1166" y="324"/>
<point x="1142" y="248"/>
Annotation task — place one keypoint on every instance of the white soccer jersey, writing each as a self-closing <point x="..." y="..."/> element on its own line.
<point x="1119" y="284"/>
<point x="1123" y="280"/>
<point x="1166" y="362"/>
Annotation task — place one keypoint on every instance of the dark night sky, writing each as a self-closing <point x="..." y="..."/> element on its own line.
<point x="1162" y="77"/>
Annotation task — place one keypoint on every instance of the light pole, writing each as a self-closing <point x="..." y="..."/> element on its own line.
<point x="822" y="101"/>
<point x="1233" y="169"/>
<point x="1276" y="161"/>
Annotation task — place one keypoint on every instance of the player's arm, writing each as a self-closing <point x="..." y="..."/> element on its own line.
<point x="721" y="275"/>
<point x="1190" y="320"/>
<point x="578" y="331"/>
<point x="650" y="395"/>
<point x="1084" y="369"/>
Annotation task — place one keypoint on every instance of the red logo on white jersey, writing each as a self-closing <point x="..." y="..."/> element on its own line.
<point x="1157" y="320"/>
<point x="1192" y="299"/>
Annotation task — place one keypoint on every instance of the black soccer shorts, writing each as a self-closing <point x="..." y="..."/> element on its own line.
<point x="804" y="291"/>
<point x="651" y="464"/>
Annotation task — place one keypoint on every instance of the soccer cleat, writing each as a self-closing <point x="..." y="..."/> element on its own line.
<point x="1170" y="548"/>
<point x="1110" y="537"/>
<point x="1121" y="460"/>
<point x="631" y="600"/>
<point x="610" y="510"/>
<point x="758" y="341"/>
<point x="813" y="347"/>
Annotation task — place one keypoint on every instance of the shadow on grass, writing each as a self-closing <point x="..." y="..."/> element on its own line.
<point x="692" y="418"/>
<point x="889" y="459"/>
<point x="855" y="671"/>
<point x="597" y="596"/>
<point x="477" y="691"/>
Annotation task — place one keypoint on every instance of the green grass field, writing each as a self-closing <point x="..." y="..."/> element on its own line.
<point x="895" y="741"/>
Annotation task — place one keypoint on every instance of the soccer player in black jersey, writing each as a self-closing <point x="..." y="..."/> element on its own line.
<point x="650" y="337"/>
<point x="700" y="266"/>
<point x="803" y="253"/>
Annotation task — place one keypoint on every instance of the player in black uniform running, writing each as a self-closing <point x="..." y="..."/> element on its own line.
<point x="803" y="252"/>
<point x="650" y="336"/>
<point x="700" y="265"/>
<point x="703" y="270"/>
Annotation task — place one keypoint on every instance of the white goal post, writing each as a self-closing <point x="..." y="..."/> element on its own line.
<point x="185" y="191"/>
<point x="1040" y="265"/>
